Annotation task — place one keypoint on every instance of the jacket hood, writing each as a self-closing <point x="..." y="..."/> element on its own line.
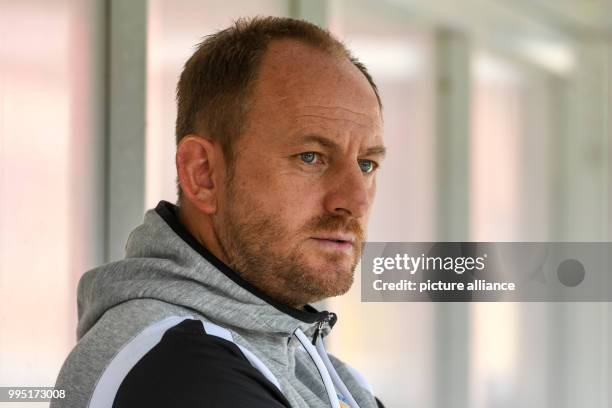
<point x="164" y="262"/>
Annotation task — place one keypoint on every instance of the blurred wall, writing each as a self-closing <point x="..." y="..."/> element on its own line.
<point x="497" y="124"/>
<point x="51" y="178"/>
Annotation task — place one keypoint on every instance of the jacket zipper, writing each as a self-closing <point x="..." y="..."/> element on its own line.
<point x="320" y="325"/>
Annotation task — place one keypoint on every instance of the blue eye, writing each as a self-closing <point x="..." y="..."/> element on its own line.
<point x="308" y="157"/>
<point x="367" y="166"/>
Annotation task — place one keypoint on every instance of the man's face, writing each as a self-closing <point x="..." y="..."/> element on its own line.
<point x="292" y="218"/>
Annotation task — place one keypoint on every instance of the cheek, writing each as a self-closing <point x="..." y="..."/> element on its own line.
<point x="292" y="205"/>
<point x="279" y="193"/>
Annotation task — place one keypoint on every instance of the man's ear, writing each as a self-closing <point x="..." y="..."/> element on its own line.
<point x="199" y="163"/>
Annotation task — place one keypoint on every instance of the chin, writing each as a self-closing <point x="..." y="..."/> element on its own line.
<point x="333" y="281"/>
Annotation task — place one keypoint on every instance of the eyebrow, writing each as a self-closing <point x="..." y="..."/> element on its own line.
<point x="330" y="144"/>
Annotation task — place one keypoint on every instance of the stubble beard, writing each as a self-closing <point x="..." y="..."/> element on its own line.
<point x="251" y="241"/>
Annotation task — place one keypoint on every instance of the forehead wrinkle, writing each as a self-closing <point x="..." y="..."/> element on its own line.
<point x="336" y="108"/>
<point x="334" y="119"/>
<point x="306" y="134"/>
<point x="358" y="117"/>
<point x="304" y="122"/>
<point x="356" y="122"/>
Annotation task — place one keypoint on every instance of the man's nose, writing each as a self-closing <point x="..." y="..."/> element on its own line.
<point x="349" y="192"/>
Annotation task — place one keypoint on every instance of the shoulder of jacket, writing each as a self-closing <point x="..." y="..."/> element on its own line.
<point x="176" y="358"/>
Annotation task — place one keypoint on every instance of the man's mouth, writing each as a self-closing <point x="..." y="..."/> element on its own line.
<point x="343" y="242"/>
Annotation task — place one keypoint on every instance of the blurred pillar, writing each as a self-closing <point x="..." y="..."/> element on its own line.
<point x="126" y="122"/>
<point x="453" y="104"/>
<point x="585" y="162"/>
<point x="580" y="358"/>
<point x="452" y="120"/>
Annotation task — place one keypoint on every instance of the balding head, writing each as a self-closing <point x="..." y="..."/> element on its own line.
<point x="213" y="94"/>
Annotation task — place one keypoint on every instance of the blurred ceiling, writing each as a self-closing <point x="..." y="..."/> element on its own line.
<point x="547" y="33"/>
<point x="593" y="17"/>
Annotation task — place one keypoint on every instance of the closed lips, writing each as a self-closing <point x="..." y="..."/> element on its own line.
<point x="336" y="238"/>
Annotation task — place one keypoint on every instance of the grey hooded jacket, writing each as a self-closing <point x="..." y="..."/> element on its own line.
<point x="171" y="325"/>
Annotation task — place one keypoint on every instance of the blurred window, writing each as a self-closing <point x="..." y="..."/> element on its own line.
<point x="51" y="179"/>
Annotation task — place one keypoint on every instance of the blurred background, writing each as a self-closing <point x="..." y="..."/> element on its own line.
<point x="497" y="120"/>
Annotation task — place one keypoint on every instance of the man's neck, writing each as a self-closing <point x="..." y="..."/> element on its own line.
<point x="200" y="226"/>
